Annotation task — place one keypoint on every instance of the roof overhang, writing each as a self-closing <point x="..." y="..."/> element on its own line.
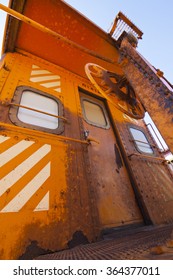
<point x="63" y="19"/>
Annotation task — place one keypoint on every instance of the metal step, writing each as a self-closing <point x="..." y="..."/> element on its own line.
<point x="123" y="245"/>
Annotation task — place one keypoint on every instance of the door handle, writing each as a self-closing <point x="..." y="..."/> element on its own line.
<point x="89" y="139"/>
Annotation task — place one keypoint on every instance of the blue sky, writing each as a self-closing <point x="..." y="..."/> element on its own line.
<point x="153" y="17"/>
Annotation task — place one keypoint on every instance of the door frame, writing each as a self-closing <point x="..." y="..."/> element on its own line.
<point x="113" y="124"/>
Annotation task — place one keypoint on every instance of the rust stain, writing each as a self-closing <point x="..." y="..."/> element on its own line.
<point x="118" y="157"/>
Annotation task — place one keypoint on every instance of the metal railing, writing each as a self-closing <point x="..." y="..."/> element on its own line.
<point x="121" y="24"/>
<point x="156" y="138"/>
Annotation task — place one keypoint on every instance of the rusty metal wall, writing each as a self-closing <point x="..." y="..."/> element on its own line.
<point x="153" y="92"/>
<point x="153" y="180"/>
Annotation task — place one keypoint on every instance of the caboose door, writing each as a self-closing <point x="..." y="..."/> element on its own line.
<point x="109" y="180"/>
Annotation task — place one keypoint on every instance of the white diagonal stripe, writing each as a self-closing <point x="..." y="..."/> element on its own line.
<point x="13" y="151"/>
<point x="28" y="191"/>
<point x="44" y="78"/>
<point x="39" y="72"/>
<point x="12" y="177"/>
<point x="51" y="84"/>
<point x="43" y="204"/>
<point x="35" y="67"/>
<point x="39" y="75"/>
<point x="3" y="138"/>
<point x="58" y="89"/>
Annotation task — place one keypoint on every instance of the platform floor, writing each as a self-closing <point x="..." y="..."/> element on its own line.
<point x="147" y="242"/>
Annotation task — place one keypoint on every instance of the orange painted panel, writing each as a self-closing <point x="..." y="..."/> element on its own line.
<point x="60" y="18"/>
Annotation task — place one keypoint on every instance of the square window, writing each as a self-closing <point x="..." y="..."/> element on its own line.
<point x="36" y="110"/>
<point x="94" y="110"/>
<point x="141" y="141"/>
<point x="39" y="102"/>
<point x="94" y="113"/>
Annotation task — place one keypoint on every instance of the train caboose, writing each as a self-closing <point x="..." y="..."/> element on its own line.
<point x="76" y="155"/>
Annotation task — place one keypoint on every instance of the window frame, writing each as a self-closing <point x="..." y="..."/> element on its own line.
<point x="96" y="101"/>
<point x="135" y="141"/>
<point x="13" y="111"/>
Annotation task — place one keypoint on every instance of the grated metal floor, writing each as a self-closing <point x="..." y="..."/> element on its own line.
<point x="125" y="245"/>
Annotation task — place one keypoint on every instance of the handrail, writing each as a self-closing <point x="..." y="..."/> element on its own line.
<point x="149" y="157"/>
<point x="56" y="35"/>
<point x="87" y="141"/>
<point x="73" y="139"/>
<point x="149" y="124"/>
<point x="38" y="111"/>
<point x="10" y="127"/>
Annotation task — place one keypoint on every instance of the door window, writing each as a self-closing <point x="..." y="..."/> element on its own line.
<point x="94" y="112"/>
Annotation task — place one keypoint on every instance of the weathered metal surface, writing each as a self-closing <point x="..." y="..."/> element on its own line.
<point x="72" y="27"/>
<point x="127" y="245"/>
<point x="12" y="26"/>
<point x="154" y="182"/>
<point x="44" y="189"/>
<point x="154" y="94"/>
<point x="113" y="191"/>
<point x="28" y="198"/>
<point x="61" y="188"/>
<point x="116" y="90"/>
<point x="52" y="33"/>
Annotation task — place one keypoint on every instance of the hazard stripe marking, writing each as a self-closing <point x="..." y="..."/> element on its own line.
<point x="3" y="138"/>
<point x="44" y="77"/>
<point x="35" y="67"/>
<point x="11" y="178"/>
<point x="57" y="89"/>
<point x="39" y="72"/>
<point x="43" y="204"/>
<point x="28" y="191"/>
<point x="14" y="151"/>
<point x="51" y="84"/>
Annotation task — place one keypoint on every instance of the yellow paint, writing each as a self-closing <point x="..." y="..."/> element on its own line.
<point x="50" y="170"/>
<point x="30" y="224"/>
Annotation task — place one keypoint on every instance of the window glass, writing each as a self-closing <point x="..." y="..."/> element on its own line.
<point x="39" y="102"/>
<point x="141" y="141"/>
<point x="94" y="113"/>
